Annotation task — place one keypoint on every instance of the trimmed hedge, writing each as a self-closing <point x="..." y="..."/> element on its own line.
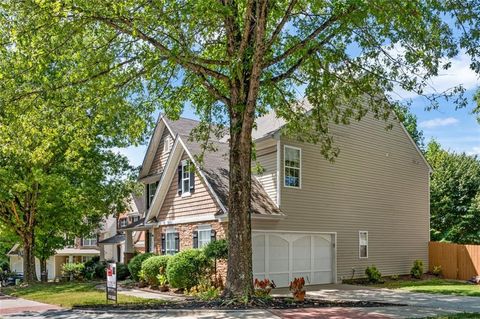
<point x="186" y="267"/>
<point x="135" y="265"/>
<point x="154" y="266"/>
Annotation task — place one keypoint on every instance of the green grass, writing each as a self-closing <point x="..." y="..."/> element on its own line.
<point x="458" y="316"/>
<point x="71" y="294"/>
<point x="435" y="286"/>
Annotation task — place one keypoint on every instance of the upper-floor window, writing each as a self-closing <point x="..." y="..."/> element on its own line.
<point x="363" y="244"/>
<point x="123" y="222"/>
<point x="186" y="178"/>
<point x="89" y="241"/>
<point x="152" y="189"/>
<point x="135" y="218"/>
<point x="292" y="166"/>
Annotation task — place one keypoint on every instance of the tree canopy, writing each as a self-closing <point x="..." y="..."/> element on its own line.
<point x="454" y="195"/>
<point x="233" y="60"/>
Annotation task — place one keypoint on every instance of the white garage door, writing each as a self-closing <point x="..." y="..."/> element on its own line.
<point x="283" y="256"/>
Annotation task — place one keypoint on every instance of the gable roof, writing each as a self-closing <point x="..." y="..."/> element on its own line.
<point x="214" y="171"/>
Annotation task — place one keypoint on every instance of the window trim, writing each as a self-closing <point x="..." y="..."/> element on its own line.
<point x="90" y="239"/>
<point x="151" y="196"/>
<point x="299" y="168"/>
<point x="166" y="144"/>
<point x="204" y="228"/>
<point x="186" y="163"/>
<point x="360" y="232"/>
<point x="171" y="232"/>
<point x="122" y="220"/>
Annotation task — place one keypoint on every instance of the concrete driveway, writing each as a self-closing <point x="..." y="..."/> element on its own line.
<point x="417" y="305"/>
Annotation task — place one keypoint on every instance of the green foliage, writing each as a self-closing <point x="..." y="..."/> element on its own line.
<point x="205" y="290"/>
<point x="437" y="270"/>
<point x="162" y="279"/>
<point x="100" y="270"/>
<point x="417" y="269"/>
<point x="409" y="120"/>
<point x="186" y="267"/>
<point x="73" y="270"/>
<point x="373" y="274"/>
<point x="154" y="266"/>
<point x="217" y="249"/>
<point x="122" y="271"/>
<point x="135" y="264"/>
<point x="454" y="196"/>
<point x="394" y="277"/>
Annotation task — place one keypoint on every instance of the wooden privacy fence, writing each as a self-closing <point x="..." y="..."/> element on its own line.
<point x="457" y="261"/>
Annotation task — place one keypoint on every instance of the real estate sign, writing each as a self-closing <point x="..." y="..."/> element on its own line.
<point x="111" y="281"/>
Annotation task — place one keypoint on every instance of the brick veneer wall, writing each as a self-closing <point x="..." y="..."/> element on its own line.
<point x="186" y="239"/>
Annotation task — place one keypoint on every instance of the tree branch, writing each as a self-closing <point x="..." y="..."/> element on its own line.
<point x="280" y="26"/>
<point x="302" y="44"/>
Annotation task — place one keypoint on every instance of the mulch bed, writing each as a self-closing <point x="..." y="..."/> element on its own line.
<point x="255" y="303"/>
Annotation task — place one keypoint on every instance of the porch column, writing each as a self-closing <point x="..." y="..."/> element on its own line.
<point x="70" y="259"/>
<point x="102" y="252"/>
<point x="129" y="250"/>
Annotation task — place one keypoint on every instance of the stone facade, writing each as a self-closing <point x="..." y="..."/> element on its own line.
<point x="186" y="238"/>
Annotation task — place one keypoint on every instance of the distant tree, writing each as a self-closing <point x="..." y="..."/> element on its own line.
<point x="454" y="195"/>
<point x="8" y="239"/>
<point x="409" y="120"/>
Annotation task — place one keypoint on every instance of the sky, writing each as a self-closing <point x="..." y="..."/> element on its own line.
<point x="456" y="130"/>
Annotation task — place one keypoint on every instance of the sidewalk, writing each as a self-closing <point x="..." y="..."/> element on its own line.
<point x="11" y="305"/>
<point x="139" y="293"/>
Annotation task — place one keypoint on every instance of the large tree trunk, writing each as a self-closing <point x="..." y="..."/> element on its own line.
<point x="29" y="273"/>
<point x="239" y="274"/>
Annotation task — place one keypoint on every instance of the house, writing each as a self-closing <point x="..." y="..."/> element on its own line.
<point x="107" y="243"/>
<point x="310" y="217"/>
<point x="82" y="250"/>
<point x="112" y="247"/>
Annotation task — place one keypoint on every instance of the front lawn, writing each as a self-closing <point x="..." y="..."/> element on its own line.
<point x="70" y="294"/>
<point x="435" y="286"/>
<point x="458" y="316"/>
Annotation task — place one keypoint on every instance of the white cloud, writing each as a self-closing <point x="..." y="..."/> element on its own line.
<point x="438" y="122"/>
<point x="474" y="151"/>
<point x="459" y="73"/>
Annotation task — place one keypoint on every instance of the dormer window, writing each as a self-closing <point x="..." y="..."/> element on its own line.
<point x="151" y="190"/>
<point x="186" y="178"/>
<point x="89" y="241"/>
<point x="123" y="222"/>
<point x="292" y="166"/>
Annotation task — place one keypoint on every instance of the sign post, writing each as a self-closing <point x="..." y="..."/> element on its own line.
<point x="111" y="282"/>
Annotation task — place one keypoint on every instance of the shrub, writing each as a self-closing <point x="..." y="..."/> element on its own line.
<point x="4" y="265"/>
<point x="437" y="270"/>
<point x="373" y="274"/>
<point x="154" y="266"/>
<point x="417" y="269"/>
<point x="100" y="270"/>
<point x="73" y="270"/>
<point x="122" y="271"/>
<point x="205" y="291"/>
<point x="217" y="249"/>
<point x="394" y="277"/>
<point x="185" y="268"/>
<point x="262" y="288"/>
<point x="135" y="265"/>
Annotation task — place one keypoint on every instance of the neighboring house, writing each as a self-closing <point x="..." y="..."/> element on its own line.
<point x="112" y="246"/>
<point x="310" y="217"/>
<point x="83" y="250"/>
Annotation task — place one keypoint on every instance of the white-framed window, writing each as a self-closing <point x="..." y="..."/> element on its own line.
<point x="151" y="239"/>
<point x="363" y="244"/>
<point x="123" y="222"/>
<point x="170" y="242"/>
<point x="166" y="143"/>
<point x="186" y="178"/>
<point x="135" y="218"/>
<point x="292" y="166"/>
<point x="204" y="235"/>
<point x="90" y="241"/>
<point x="152" y="189"/>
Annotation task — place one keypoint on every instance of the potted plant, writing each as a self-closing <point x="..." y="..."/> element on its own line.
<point x="263" y="287"/>
<point x="162" y="280"/>
<point x="297" y="287"/>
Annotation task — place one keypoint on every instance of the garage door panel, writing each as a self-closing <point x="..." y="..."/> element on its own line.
<point x="302" y="252"/>
<point x="284" y="256"/>
<point x="278" y="255"/>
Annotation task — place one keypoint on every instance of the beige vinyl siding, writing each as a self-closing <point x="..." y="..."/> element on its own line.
<point x="161" y="157"/>
<point x="267" y="158"/>
<point x="379" y="183"/>
<point x="199" y="203"/>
